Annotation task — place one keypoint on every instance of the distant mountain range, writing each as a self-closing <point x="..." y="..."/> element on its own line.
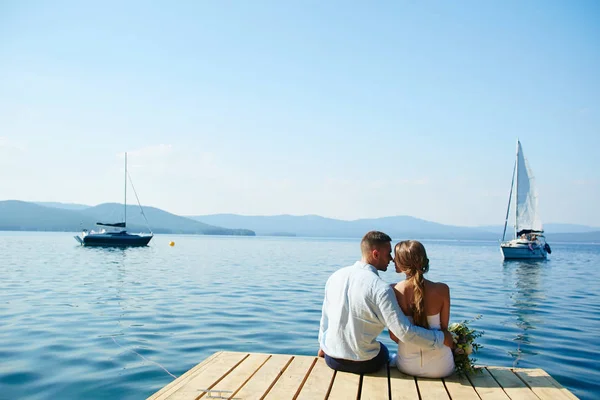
<point x="66" y="206"/>
<point x="48" y="216"/>
<point x="551" y="227"/>
<point x="316" y="226"/>
<point x="24" y="216"/>
<point x="398" y="227"/>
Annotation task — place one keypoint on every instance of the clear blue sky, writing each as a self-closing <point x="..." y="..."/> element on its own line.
<point x="341" y="109"/>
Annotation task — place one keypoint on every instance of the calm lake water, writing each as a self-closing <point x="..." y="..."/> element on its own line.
<point x="73" y="318"/>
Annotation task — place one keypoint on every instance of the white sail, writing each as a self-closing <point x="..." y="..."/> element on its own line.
<point x="527" y="197"/>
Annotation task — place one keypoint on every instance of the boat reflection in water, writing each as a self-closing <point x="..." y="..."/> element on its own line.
<point x="527" y="295"/>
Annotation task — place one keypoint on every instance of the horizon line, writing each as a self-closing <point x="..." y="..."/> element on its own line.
<point x="292" y="215"/>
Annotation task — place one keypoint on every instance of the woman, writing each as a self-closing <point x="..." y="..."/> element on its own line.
<point x="427" y="304"/>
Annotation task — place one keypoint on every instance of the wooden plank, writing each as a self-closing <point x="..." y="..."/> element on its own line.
<point x="486" y="386"/>
<point x="345" y="386"/>
<point x="459" y="387"/>
<point x="543" y="385"/>
<point x="514" y="387"/>
<point x="432" y="389"/>
<point x="232" y="383"/>
<point x="210" y="376"/>
<point x="375" y="385"/>
<point x="563" y="389"/>
<point x="318" y="383"/>
<point x="183" y="379"/>
<point x="403" y="387"/>
<point x="264" y="378"/>
<point x="292" y="379"/>
<point x="257" y="376"/>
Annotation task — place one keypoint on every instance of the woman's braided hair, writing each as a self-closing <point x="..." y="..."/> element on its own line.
<point x="411" y="258"/>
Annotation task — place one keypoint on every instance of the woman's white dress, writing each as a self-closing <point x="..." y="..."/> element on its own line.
<point x="415" y="361"/>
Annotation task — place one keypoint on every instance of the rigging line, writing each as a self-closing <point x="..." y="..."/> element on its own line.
<point x="138" y="201"/>
<point x="509" y="200"/>
<point x="153" y="362"/>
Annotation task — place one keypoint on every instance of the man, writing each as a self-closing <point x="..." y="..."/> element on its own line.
<point x="358" y="305"/>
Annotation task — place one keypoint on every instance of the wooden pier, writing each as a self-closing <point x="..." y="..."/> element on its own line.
<point x="233" y="375"/>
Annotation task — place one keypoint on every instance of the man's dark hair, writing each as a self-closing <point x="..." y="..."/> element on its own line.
<point x="373" y="240"/>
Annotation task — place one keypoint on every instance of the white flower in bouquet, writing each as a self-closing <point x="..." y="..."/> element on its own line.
<point x="454" y="327"/>
<point x="454" y="337"/>
<point x="468" y="349"/>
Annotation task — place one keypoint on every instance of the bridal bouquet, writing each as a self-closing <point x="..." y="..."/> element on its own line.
<point x="464" y="339"/>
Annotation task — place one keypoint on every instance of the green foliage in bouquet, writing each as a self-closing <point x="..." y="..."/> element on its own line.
<point x="464" y="340"/>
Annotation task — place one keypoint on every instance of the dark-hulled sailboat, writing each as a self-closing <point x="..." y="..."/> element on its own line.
<point x="115" y="234"/>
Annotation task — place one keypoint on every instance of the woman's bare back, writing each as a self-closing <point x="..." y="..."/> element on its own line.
<point x="437" y="299"/>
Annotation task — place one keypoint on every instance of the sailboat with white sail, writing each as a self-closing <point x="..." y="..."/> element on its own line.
<point x="116" y="234"/>
<point x="529" y="241"/>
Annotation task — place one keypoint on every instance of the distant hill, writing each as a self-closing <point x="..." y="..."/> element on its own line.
<point x="316" y="226"/>
<point x="569" y="228"/>
<point x="398" y="227"/>
<point x="557" y="232"/>
<point x="160" y="220"/>
<point x="18" y="215"/>
<point x="66" y="206"/>
<point x="574" y="237"/>
<point x="24" y="216"/>
<point x="551" y="228"/>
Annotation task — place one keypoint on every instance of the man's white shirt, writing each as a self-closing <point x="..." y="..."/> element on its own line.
<point x="358" y="305"/>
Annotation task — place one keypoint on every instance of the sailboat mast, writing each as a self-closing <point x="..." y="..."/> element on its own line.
<point x="517" y="195"/>
<point x="125" y="201"/>
<point x="512" y="183"/>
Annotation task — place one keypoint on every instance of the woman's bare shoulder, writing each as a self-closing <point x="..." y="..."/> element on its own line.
<point x="440" y="288"/>
<point x="436" y="288"/>
<point x="400" y="292"/>
<point x="399" y="287"/>
<point x="402" y="297"/>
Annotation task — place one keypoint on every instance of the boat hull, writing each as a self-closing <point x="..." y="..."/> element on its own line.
<point x="114" y="240"/>
<point x="517" y="250"/>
